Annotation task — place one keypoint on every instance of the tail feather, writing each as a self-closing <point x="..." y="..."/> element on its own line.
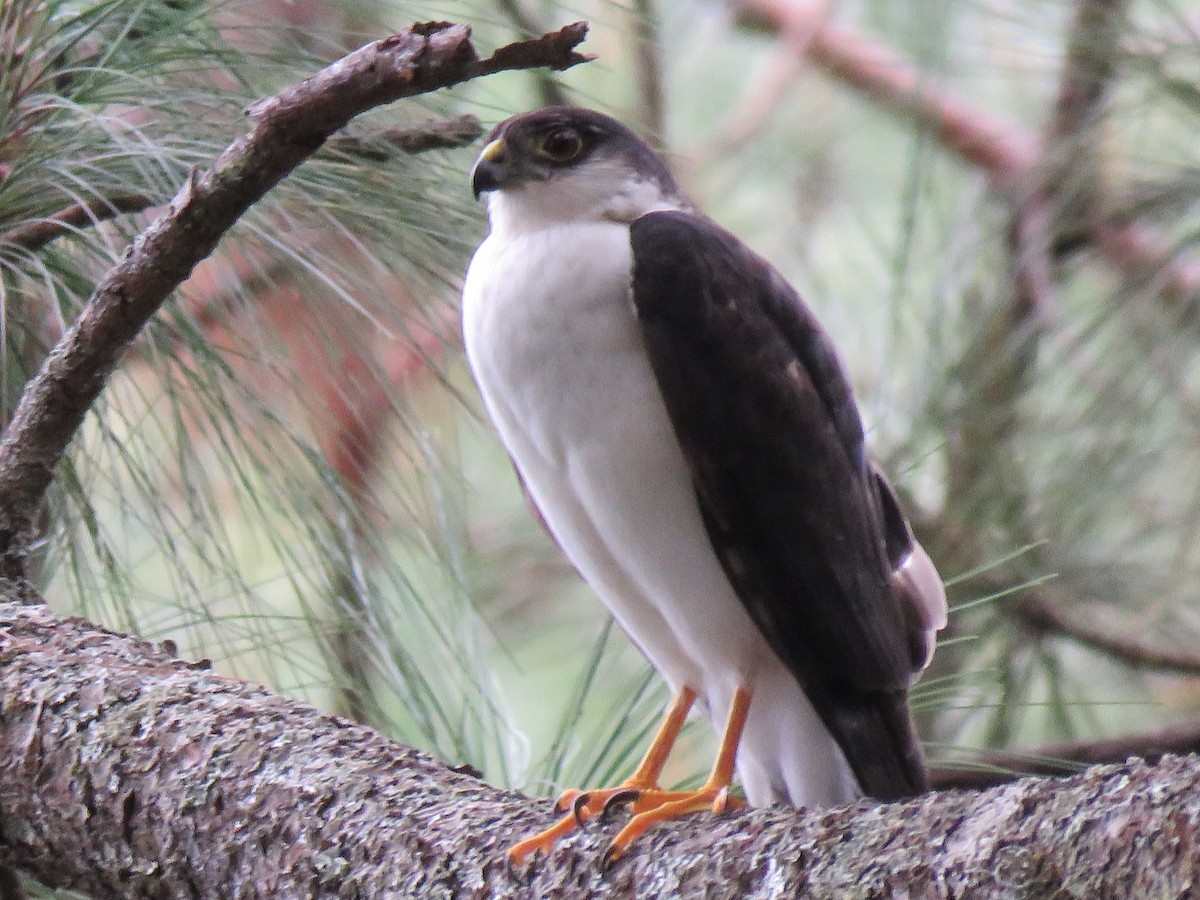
<point x="878" y="737"/>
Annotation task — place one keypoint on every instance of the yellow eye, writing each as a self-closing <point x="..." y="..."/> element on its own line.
<point x="560" y="145"/>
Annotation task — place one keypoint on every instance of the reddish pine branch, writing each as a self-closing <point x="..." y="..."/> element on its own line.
<point x="1004" y="151"/>
<point x="993" y="144"/>
<point x="288" y="128"/>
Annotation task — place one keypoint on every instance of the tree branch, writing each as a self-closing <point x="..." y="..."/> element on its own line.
<point x="1050" y="615"/>
<point x="288" y="128"/>
<point x="1001" y="149"/>
<point x="126" y="773"/>
<point x="35" y="235"/>
<point x="443" y="134"/>
<point x="990" y="768"/>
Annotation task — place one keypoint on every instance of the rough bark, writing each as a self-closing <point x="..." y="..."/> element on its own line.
<point x="126" y="773"/>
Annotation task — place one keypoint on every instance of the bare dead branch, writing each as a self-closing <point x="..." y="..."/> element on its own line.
<point x="288" y="128"/>
<point x="35" y="235"/>
<point x="127" y="773"/>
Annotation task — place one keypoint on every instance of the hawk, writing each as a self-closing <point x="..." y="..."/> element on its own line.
<point x="685" y="428"/>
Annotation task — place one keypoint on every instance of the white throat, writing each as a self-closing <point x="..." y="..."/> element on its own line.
<point x="601" y="191"/>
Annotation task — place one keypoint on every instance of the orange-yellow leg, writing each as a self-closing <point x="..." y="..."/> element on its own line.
<point x="655" y="806"/>
<point x="583" y="805"/>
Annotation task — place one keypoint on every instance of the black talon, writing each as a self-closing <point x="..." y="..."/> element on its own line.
<point x="523" y="873"/>
<point x="577" y="808"/>
<point x="620" y="798"/>
<point x="559" y="806"/>
<point x="610" y="856"/>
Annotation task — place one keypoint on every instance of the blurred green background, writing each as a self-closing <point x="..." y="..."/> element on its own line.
<point x="292" y="475"/>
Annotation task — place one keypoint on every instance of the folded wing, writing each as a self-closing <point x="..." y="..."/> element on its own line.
<point x="807" y="530"/>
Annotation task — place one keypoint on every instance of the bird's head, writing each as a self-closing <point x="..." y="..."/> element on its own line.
<point x="562" y="164"/>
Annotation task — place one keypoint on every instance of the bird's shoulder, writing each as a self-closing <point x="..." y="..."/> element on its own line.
<point x="693" y="280"/>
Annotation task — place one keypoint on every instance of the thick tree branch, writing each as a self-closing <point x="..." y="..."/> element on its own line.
<point x="125" y="773"/>
<point x="288" y="128"/>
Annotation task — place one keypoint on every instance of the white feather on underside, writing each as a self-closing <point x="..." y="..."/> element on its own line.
<point x="558" y="356"/>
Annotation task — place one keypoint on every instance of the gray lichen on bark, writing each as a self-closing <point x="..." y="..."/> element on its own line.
<point x="127" y="773"/>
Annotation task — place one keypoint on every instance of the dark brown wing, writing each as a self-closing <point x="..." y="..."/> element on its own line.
<point x="770" y="428"/>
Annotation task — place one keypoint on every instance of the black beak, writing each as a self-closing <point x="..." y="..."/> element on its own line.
<point x="490" y="171"/>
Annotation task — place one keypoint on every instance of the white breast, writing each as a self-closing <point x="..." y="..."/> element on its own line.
<point x="555" y="348"/>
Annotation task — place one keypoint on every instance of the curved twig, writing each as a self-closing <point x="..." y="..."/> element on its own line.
<point x="288" y="128"/>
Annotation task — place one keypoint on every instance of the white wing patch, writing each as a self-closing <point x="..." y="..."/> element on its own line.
<point x="919" y="582"/>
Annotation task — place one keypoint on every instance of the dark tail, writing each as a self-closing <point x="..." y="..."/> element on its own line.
<point x="877" y="736"/>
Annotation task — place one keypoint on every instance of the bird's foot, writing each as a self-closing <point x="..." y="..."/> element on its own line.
<point x="653" y="806"/>
<point x="580" y="806"/>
